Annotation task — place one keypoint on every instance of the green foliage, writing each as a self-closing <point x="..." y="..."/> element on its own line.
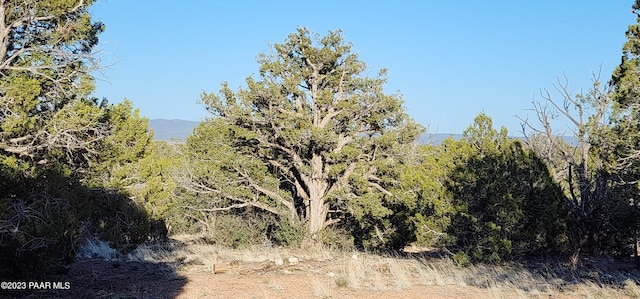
<point x="285" y="233"/>
<point x="619" y="145"/>
<point x="430" y="207"/>
<point x="506" y="201"/>
<point x="54" y="141"/>
<point x="46" y="130"/>
<point x="236" y="231"/>
<point x="114" y="218"/>
<point x="485" y="196"/>
<point x="128" y="141"/>
<point x="45" y="61"/>
<point x="130" y="161"/>
<point x="35" y="236"/>
<point x="311" y="140"/>
<point x="461" y="259"/>
<point x="153" y="185"/>
<point x="243" y="229"/>
<point x="45" y="217"/>
<point x="337" y="238"/>
<point x="625" y="79"/>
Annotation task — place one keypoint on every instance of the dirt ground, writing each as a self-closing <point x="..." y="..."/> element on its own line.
<point x="191" y="269"/>
<point x="100" y="279"/>
<point x="94" y="278"/>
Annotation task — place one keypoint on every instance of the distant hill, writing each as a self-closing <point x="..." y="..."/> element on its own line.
<point x="429" y="138"/>
<point x="436" y="138"/>
<point x="169" y="129"/>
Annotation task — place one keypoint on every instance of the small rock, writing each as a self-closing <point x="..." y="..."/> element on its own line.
<point x="331" y="274"/>
<point x="293" y="260"/>
<point x="354" y="257"/>
<point x="279" y="262"/>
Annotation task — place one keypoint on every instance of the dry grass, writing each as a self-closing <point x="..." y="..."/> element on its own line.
<point x="335" y="270"/>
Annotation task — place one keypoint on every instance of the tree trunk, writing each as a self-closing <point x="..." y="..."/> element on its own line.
<point x="316" y="209"/>
<point x="317" y="216"/>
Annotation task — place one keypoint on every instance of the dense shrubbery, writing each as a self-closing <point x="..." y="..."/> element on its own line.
<point x="248" y="228"/>
<point x="507" y="206"/>
<point x="39" y="228"/>
<point x="486" y="198"/>
<point x="46" y="218"/>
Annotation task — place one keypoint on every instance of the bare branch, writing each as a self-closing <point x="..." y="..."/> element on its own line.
<point x="380" y="188"/>
<point x="272" y="194"/>
<point x="227" y="208"/>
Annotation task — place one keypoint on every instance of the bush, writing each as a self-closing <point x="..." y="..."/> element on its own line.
<point x="337" y="238"/>
<point x="249" y="228"/>
<point x="286" y="233"/>
<point x="507" y="205"/>
<point x="237" y="231"/>
<point x="116" y="219"/>
<point x="461" y="259"/>
<point x="39" y="235"/>
<point x="44" y="220"/>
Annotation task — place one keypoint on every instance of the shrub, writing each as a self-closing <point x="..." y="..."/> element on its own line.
<point x="507" y="206"/>
<point x="287" y="233"/>
<point x="44" y="220"/>
<point x="336" y="238"/>
<point x="237" y="230"/>
<point x="461" y="259"/>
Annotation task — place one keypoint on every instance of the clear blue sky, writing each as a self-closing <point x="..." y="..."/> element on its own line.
<point x="450" y="59"/>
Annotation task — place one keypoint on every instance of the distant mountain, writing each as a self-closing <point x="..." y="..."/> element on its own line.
<point x="169" y="129"/>
<point x="437" y="138"/>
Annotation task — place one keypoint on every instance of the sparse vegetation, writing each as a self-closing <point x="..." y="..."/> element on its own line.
<point x="329" y="272"/>
<point x="311" y="171"/>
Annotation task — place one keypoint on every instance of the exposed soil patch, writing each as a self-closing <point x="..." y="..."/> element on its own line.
<point x="101" y="279"/>
<point x="195" y="270"/>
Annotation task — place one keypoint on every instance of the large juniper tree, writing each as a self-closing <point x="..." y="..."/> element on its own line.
<point x="46" y="56"/>
<point x="312" y="138"/>
<point x="620" y="144"/>
<point x="625" y="83"/>
<point x="54" y="137"/>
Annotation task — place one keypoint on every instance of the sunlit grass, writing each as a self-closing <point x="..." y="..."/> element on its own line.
<point x="333" y="270"/>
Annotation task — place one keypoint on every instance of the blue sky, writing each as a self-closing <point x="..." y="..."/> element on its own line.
<point x="449" y="59"/>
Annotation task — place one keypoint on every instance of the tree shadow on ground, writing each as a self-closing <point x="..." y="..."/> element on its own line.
<point x="46" y="217"/>
<point x="96" y="278"/>
<point x="568" y="272"/>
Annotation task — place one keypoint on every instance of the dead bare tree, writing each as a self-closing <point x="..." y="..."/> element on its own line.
<point x="572" y="159"/>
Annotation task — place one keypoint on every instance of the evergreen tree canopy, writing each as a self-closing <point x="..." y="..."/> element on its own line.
<point x="311" y="138"/>
<point x="46" y="57"/>
<point x="54" y="140"/>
